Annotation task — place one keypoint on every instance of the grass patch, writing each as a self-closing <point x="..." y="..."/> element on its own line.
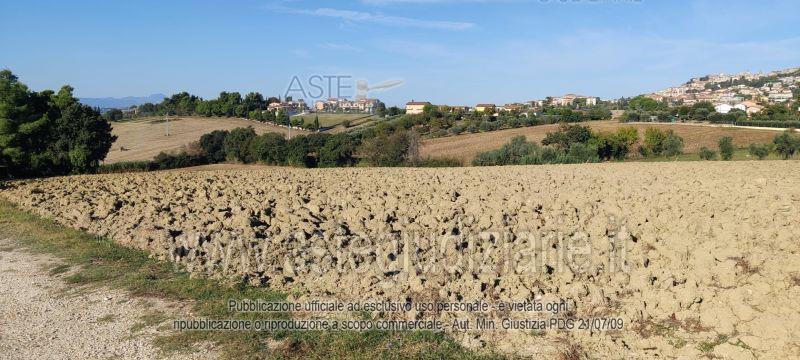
<point x="100" y="261"/>
<point x="59" y="269"/>
<point x="149" y="320"/>
<point x="708" y="346"/>
<point x="107" y="319"/>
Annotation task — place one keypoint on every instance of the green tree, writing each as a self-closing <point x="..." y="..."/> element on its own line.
<point x="269" y="149"/>
<point x="654" y="141"/>
<point x="760" y="151"/>
<point x="786" y="144"/>
<point x="726" y="148"/>
<point x="707" y="154"/>
<point x="316" y="122"/>
<point x="337" y="151"/>
<point x="237" y="143"/>
<point x="643" y="103"/>
<point x="673" y="144"/>
<point x="391" y="150"/>
<point x="615" y="145"/>
<point x="568" y="135"/>
<point x="282" y="118"/>
<point x="254" y="101"/>
<point x="213" y="145"/>
<point x="48" y="133"/>
<point x="113" y="115"/>
<point x="380" y="109"/>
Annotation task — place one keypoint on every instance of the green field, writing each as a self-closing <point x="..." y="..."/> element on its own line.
<point x="327" y="120"/>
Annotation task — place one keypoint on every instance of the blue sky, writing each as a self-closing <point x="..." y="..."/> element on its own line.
<point x="445" y="51"/>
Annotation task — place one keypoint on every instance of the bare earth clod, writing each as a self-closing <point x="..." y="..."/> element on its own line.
<point x="697" y="258"/>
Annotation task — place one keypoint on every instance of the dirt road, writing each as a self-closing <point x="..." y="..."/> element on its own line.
<point x="43" y="317"/>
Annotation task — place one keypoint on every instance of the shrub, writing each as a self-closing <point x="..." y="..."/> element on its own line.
<point x="124" y="167"/>
<point x="654" y="141"/>
<point x="516" y="150"/>
<point x="487" y="158"/>
<point x="615" y="145"/>
<point x="583" y="153"/>
<point x="297" y="153"/>
<point x="726" y="148"/>
<point x="237" y="143"/>
<point x="391" y="150"/>
<point x="213" y="145"/>
<point x="438" y="163"/>
<point x="522" y="152"/>
<point x="165" y="161"/>
<point x="658" y="142"/>
<point x="269" y="149"/>
<point x="707" y="154"/>
<point x="760" y="151"/>
<point x="337" y="151"/>
<point x="786" y="144"/>
<point x="673" y="144"/>
<point x="568" y="135"/>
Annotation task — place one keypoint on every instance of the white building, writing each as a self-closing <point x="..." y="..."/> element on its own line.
<point x="723" y="108"/>
<point x="780" y="97"/>
<point x="416" y="107"/>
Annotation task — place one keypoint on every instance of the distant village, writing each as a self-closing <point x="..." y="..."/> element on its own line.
<point x="748" y="92"/>
<point x="744" y="91"/>
<point x="295" y="107"/>
<point x="530" y="107"/>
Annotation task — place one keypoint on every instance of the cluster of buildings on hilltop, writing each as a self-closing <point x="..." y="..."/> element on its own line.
<point x="289" y="107"/>
<point x="728" y="92"/>
<point x="417" y="107"/>
<point x="339" y="104"/>
<point x="294" y="107"/>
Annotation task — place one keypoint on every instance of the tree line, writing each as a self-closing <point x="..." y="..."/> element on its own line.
<point x="575" y="144"/>
<point x="642" y="108"/>
<point x="230" y="104"/>
<point x="317" y="150"/>
<point x="571" y="144"/>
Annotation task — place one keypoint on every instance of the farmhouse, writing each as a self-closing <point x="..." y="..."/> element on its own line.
<point x="484" y="107"/>
<point x="416" y="107"/>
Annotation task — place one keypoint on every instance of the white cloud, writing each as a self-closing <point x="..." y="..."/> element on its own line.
<point x="374" y="18"/>
<point x="340" y="47"/>
<point x="301" y="53"/>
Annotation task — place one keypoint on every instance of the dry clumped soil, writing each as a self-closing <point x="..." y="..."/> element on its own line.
<point x="699" y="259"/>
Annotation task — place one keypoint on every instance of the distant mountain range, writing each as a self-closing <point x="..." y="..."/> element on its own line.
<point x="122" y="103"/>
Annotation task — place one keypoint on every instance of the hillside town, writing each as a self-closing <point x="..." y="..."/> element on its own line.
<point x="331" y="105"/>
<point x="745" y="91"/>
